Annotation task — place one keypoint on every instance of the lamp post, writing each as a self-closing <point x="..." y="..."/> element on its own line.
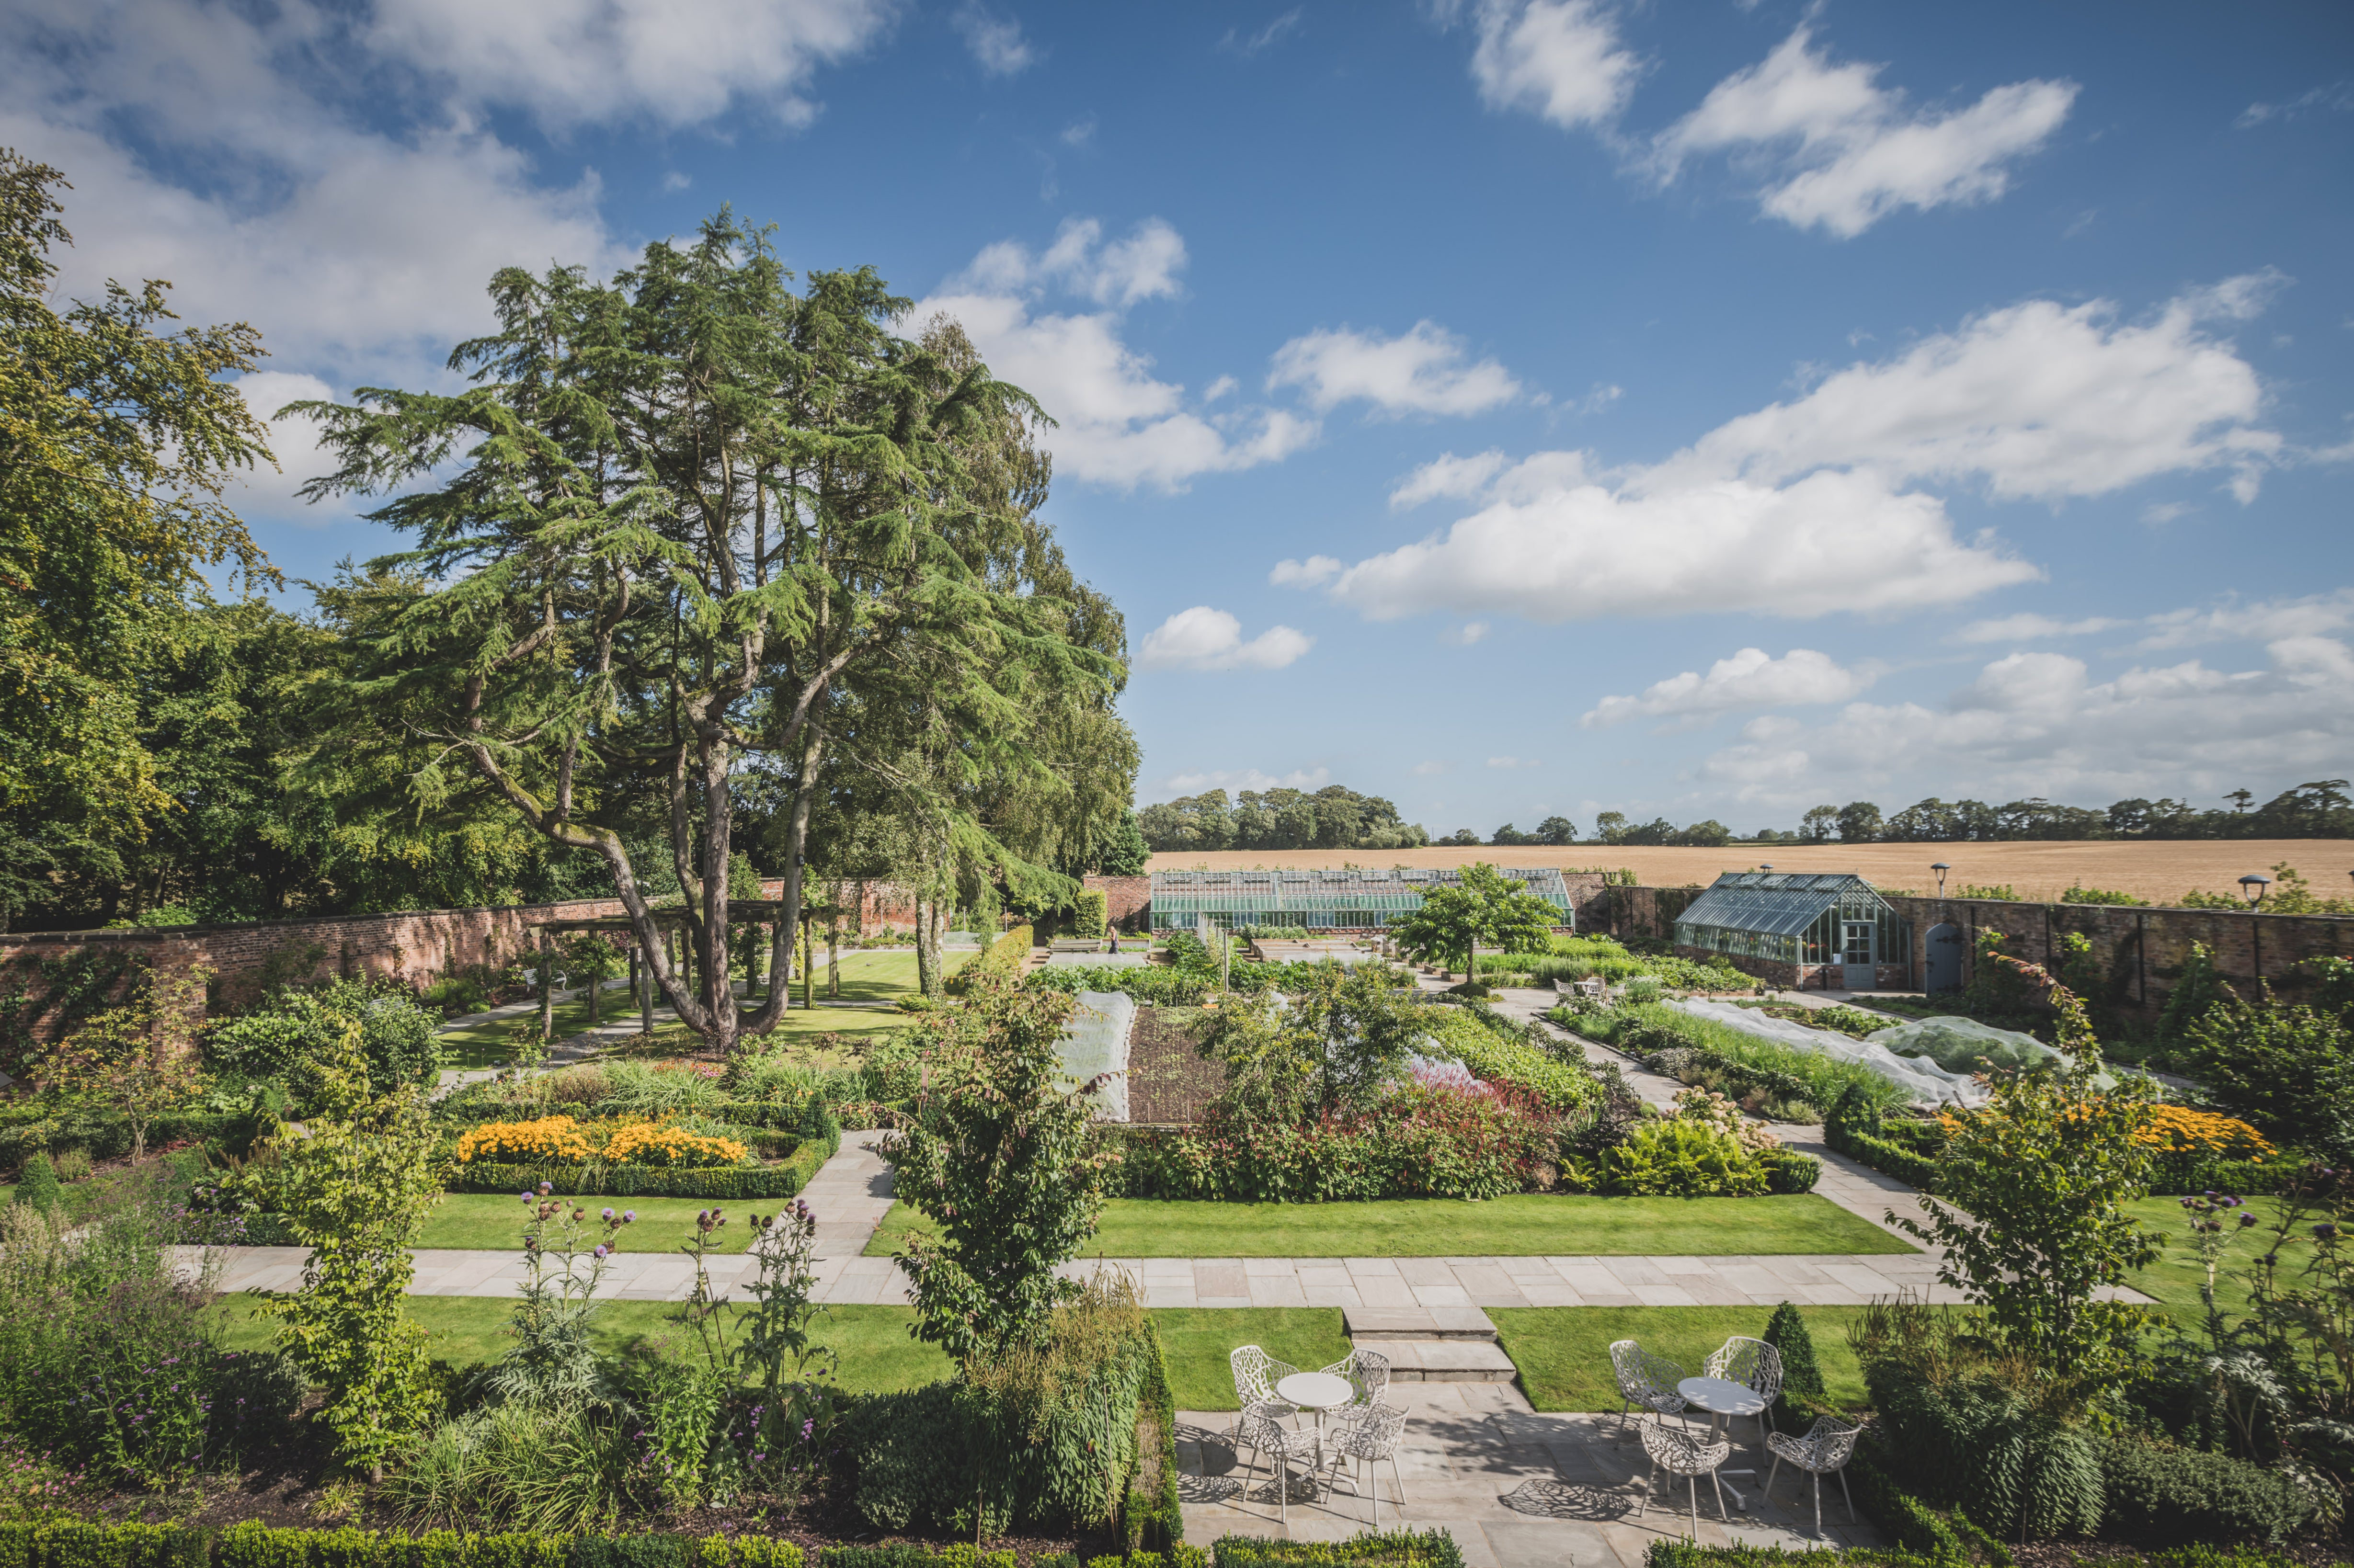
<point x="1767" y="869"/>
<point x="1940" y="867"/>
<point x="2253" y="888"/>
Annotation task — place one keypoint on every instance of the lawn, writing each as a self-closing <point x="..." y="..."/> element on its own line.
<point x="2174" y="1279"/>
<point x="1522" y="1225"/>
<point x="484" y="1044"/>
<point x="1563" y="1352"/>
<point x="877" y="1355"/>
<point x="493" y="1222"/>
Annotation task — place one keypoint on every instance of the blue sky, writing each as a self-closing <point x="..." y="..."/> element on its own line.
<point x="1512" y="408"/>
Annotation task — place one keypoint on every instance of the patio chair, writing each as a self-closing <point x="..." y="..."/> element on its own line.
<point x="1366" y="1437"/>
<point x="1260" y="1430"/>
<point x="1255" y="1375"/>
<point x="1754" y="1364"/>
<point x="1646" y="1380"/>
<point x="1368" y="1372"/>
<point x="1825" y="1447"/>
<point x="1678" y="1452"/>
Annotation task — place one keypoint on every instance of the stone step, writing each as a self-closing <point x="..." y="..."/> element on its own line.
<point x="1443" y="1361"/>
<point x="1416" y="1323"/>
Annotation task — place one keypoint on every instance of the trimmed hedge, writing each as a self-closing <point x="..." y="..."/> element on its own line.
<point x="1004" y="956"/>
<point x="1787" y="1170"/>
<point x="2158" y="1495"/>
<point x="1853" y="1126"/>
<point x="1386" y="1549"/>
<point x="1153" y="1515"/>
<point x="77" y="1543"/>
<point x="731" y="1184"/>
<point x="1677" y="1552"/>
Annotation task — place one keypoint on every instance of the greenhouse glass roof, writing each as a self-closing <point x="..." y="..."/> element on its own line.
<point x="1177" y="896"/>
<point x="1777" y="903"/>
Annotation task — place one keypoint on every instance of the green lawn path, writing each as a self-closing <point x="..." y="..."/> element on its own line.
<point x="1563" y="1352"/>
<point x="493" y="1222"/>
<point x="1525" y="1224"/>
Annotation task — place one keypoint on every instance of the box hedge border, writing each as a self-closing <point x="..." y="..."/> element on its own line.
<point x="728" y="1183"/>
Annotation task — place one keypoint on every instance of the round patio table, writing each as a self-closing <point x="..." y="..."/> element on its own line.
<point x="1723" y="1398"/>
<point x="1316" y="1392"/>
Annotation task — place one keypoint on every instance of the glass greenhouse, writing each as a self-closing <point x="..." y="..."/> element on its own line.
<point x="1794" y="918"/>
<point x="1348" y="900"/>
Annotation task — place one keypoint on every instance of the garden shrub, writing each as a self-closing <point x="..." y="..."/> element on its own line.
<point x="38" y="1186"/>
<point x="1674" y="1158"/>
<point x="1789" y="1172"/>
<point x="2289" y="1070"/>
<point x="1091" y="908"/>
<point x="1433" y="1548"/>
<point x="1004" y="956"/>
<point x="2158" y="1495"/>
<point x="77" y="1543"/>
<point x="1803" y="1394"/>
<point x="1854" y="1126"/>
<point x="1494" y="1050"/>
<point x="296" y="1026"/>
<point x="733" y="1183"/>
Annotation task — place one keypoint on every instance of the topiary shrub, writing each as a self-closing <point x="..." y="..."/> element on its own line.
<point x="1803" y="1393"/>
<point x="38" y="1187"/>
<point x="1790" y="1172"/>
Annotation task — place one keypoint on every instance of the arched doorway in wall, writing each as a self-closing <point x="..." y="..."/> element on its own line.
<point x="1945" y="946"/>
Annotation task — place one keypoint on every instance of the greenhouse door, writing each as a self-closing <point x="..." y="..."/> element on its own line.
<point x="1945" y="946"/>
<point x="1855" y="956"/>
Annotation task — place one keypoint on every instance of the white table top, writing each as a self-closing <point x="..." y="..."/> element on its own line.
<point x="1722" y="1396"/>
<point x="1315" y="1391"/>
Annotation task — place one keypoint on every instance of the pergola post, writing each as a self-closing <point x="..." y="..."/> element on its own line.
<point x="645" y="990"/>
<point x="595" y="982"/>
<point x="546" y="987"/>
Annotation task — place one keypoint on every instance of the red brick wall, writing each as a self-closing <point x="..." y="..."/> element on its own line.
<point x="1127" y="900"/>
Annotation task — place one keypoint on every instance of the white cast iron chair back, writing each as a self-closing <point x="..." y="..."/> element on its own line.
<point x="1366" y="1437"/>
<point x="1260" y="1430"/>
<point x="1825" y="1447"/>
<point x="1679" y="1452"/>
<point x="1646" y="1380"/>
<point x="1368" y="1372"/>
<point x="1255" y="1375"/>
<point x="1754" y="1364"/>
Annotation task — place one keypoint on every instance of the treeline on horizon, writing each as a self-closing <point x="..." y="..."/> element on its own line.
<point x="1339" y="818"/>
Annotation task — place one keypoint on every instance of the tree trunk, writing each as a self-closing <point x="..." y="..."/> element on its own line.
<point x="833" y="945"/>
<point x="546" y="988"/>
<point x="928" y="979"/>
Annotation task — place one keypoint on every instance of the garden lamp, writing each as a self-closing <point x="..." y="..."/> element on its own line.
<point x="1764" y="867"/>
<point x="2254" y="885"/>
<point x="1940" y="867"/>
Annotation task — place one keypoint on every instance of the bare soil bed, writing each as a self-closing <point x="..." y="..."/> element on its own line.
<point x="2158" y="871"/>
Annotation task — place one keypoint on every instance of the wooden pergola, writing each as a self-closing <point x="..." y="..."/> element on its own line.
<point x="670" y="922"/>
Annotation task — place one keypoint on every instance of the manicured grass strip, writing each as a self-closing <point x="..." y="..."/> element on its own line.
<point x="2174" y="1279"/>
<point x="1198" y="1339"/>
<point x="1524" y="1225"/>
<point x="485" y="1043"/>
<point x="1563" y="1352"/>
<point x="877" y="1356"/>
<point x="493" y="1222"/>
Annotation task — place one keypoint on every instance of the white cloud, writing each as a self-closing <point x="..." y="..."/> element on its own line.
<point x="1749" y="679"/>
<point x="1143" y="266"/>
<point x="1469" y="634"/>
<point x="1423" y="371"/>
<point x="2035" y="724"/>
<point x="1505" y="764"/>
<point x="576" y="61"/>
<point x="1078" y="132"/>
<point x="1429" y="769"/>
<point x="2038" y="399"/>
<point x="1448" y="475"/>
<point x="2035" y="401"/>
<point x="1206" y="639"/>
<point x="294" y="442"/>
<point x="1842" y="152"/>
<point x="2337" y="98"/>
<point x="1560" y="59"/>
<point x="2029" y="627"/>
<point x="1556" y="551"/>
<point x="1247" y="778"/>
<point x="1312" y="572"/>
<point x="996" y="42"/>
<point x="1249" y="45"/>
<point x="2267" y="620"/>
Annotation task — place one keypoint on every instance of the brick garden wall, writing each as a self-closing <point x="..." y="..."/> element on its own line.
<point x="1127" y="900"/>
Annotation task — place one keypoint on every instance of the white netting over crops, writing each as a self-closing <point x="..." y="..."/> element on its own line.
<point x="1958" y="1043"/>
<point x="1095" y="1042"/>
<point x="1924" y="1082"/>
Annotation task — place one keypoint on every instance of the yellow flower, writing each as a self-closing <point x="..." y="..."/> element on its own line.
<point x="659" y="1143"/>
<point x="556" y="1139"/>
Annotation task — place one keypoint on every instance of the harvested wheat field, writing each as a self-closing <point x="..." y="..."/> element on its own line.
<point x="2158" y="872"/>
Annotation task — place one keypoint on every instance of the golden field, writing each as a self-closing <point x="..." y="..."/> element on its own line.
<point x="2158" y="871"/>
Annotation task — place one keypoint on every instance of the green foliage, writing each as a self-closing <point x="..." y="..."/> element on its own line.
<point x="295" y="1027"/>
<point x="355" y="1188"/>
<point x="1002" y="958"/>
<point x="2079" y="894"/>
<point x="1484" y="908"/>
<point x="1676" y="1157"/>
<point x="1997" y="892"/>
<point x="1803" y="1396"/>
<point x="1334" y="817"/>
<point x="1089" y="919"/>
<point x="2196" y="989"/>
<point x="1788" y="1172"/>
<point x="2038" y="1180"/>
<point x="1853" y="1126"/>
<point x="1643" y="1030"/>
<point x="1330" y="1046"/>
<point x="1003" y="1160"/>
<point x="127" y="1059"/>
<point x="37" y="1186"/>
<point x="1497" y="1050"/>
<point x="1433" y="1548"/>
<point x="1127" y="854"/>
<point x="2159" y="1496"/>
<point x="2288" y="1070"/>
<point x="733" y="1183"/>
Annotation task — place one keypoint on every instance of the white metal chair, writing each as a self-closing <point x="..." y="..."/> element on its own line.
<point x="1646" y="1380"/>
<point x="1679" y="1452"/>
<point x="1825" y="1447"/>
<point x="1260" y="1430"/>
<point x="1367" y="1437"/>
<point x="1255" y="1375"/>
<point x="1754" y="1364"/>
<point x="1368" y="1372"/>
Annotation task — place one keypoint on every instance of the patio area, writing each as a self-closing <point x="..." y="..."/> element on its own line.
<point x="1514" y="1487"/>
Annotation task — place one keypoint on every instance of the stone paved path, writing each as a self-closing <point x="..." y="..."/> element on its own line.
<point x="1514" y="1487"/>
